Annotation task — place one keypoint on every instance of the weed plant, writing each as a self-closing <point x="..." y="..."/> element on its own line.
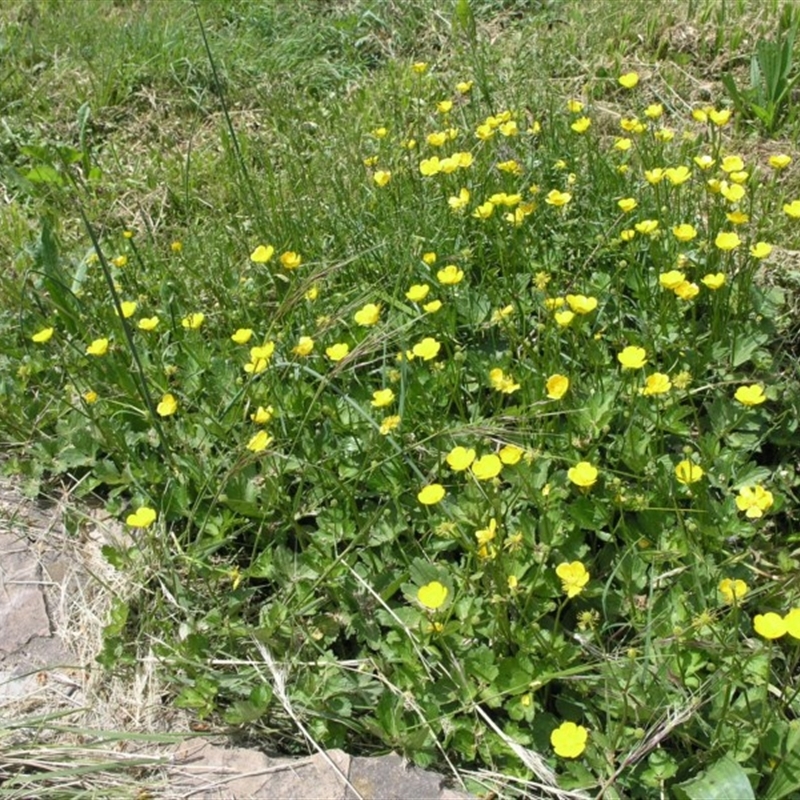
<point x="466" y="414"/>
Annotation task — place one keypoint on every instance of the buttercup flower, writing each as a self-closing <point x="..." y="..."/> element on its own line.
<point x="574" y="577"/>
<point x="792" y="622"/>
<point x="713" y="281"/>
<point x="629" y="79"/>
<point x="432" y="595"/>
<point x="304" y="346"/>
<point x="574" y="106"/>
<point x="647" y="226"/>
<point x="336" y="352"/>
<point x="148" y="323"/>
<point x="389" y="424"/>
<point x="557" y="198"/>
<point x="688" y="472"/>
<point x="193" y="321"/>
<point x="704" y="161"/>
<point x="732" y="164"/>
<point x="654" y="176"/>
<point x="581" y="125"/>
<point x="382" y="398"/>
<point x="368" y="315"/>
<point x="657" y="383"/>
<point x="627" y="204"/>
<point x="261" y="441"/>
<point x="431" y="494"/>
<point x="487" y="467"/>
<point x="632" y="357"/>
<point x="460" y="201"/>
<point x="760" y="250"/>
<point x="654" y="111"/>
<point x="460" y="458"/>
<point x="502" y="382"/>
<point x="684" y="233"/>
<point x="42" y="336"/>
<point x="727" y="240"/>
<point x="581" y="304"/>
<point x="677" y="175"/>
<point x="769" y="625"/>
<point x="687" y="290"/>
<point x="510" y="454"/>
<point x="168" y="406"/>
<point x="464" y="87"/>
<point x="450" y="275"/>
<point x="427" y="349"/>
<point x="291" y="260"/>
<point x="418" y="292"/>
<point x="381" y="178"/>
<point x="90" y="397"/>
<point x="128" y="308"/>
<point x="419" y="67"/>
<point x="143" y="517"/>
<point x="262" y="254"/>
<point x="563" y="318"/>
<point x="792" y="209"/>
<point x="242" y="335"/>
<point x="732" y="590"/>
<point x="752" y="395"/>
<point x="557" y="386"/>
<point x="99" y="347"/>
<point x="261" y="416"/>
<point x="432" y="307"/>
<point x="754" y="501"/>
<point x="672" y="279"/>
<point x="780" y="161"/>
<point x="569" y="740"/>
<point x="583" y="474"/>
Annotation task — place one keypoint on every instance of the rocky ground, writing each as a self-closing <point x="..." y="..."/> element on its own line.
<point x="64" y="723"/>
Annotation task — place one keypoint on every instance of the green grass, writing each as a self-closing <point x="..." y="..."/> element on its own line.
<point x="141" y="168"/>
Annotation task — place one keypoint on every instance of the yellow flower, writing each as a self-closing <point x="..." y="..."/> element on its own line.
<point x="760" y="250"/>
<point x="389" y="424"/>
<point x="647" y="226"/>
<point x="304" y="346"/>
<point x="464" y="87"/>
<point x="193" y="321"/>
<point x="677" y="175"/>
<point x="732" y="164"/>
<point x="485" y="210"/>
<point x="704" y="161"/>
<point x="752" y="395"/>
<point x="450" y="275"/>
<point x="312" y="294"/>
<point x="499" y="314"/>
<point x="488" y="534"/>
<point x="654" y="176"/>
<point x="444" y="106"/>
<point x="720" y="118"/>
<point x="583" y="474"/>
<point x="261" y="416"/>
<point x="143" y="517"/>
<point x="569" y="740"/>
<point x="632" y="357"/>
<point x="737" y="217"/>
<point x="754" y="501"/>
<point x="120" y="261"/>
<point x="429" y="258"/>
<point x="432" y="307"/>
<point x="261" y="441"/>
<point x="511" y="166"/>
<point x="487" y="467"/>
<point x="739" y="177"/>
<point x="574" y="577"/>
<point x="484" y="132"/>
<point x="557" y="198"/>
<point x="502" y="382"/>
<point x="430" y="166"/>
<point x="685" y="232"/>
<point x="432" y="595"/>
<point x="657" y="383"/>
<point x="581" y="304"/>
<point x="242" y="335"/>
<point x="563" y="318"/>
<point x="431" y="494"/>
<point x="509" y="128"/>
<point x="464" y="159"/>
<point x="262" y="254"/>
<point x="427" y="349"/>
<point x="682" y="379"/>
<point x="127" y="234"/>
<point x="713" y="281"/>
<point x="460" y="201"/>
<point x="382" y="398"/>
<point x="629" y="79"/>
<point x="148" y="323"/>
<point x="792" y="209"/>
<point x="128" y="308"/>
<point x="168" y="406"/>
<point x="552" y="303"/>
<point x="510" y="454"/>
<point x="792" y="620"/>
<point x="368" y="315"/>
<point x="418" y="292"/>
<point x="769" y="625"/>
<point x="574" y="106"/>
<point x="460" y="458"/>
<point x="654" y="111"/>
<point x="381" y="178"/>
<point x="632" y="125"/>
<point x="99" y="347"/>
<point x="581" y="125"/>
<point x="733" y="193"/>
<point x="672" y="279"/>
<point x="419" y="67"/>
<point x="90" y="397"/>
<point x="627" y="234"/>
<point x="370" y="161"/>
<point x="732" y="590"/>
<point x="42" y="336"/>
<point x="688" y="472"/>
<point x="336" y="352"/>
<point x="623" y="143"/>
<point x="780" y="161"/>
<point x="291" y="260"/>
<point x="557" y="386"/>
<point x="687" y="290"/>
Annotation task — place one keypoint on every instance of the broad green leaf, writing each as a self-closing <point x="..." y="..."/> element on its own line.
<point x="725" y="780"/>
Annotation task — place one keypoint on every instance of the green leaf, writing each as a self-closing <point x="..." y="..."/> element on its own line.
<point x="44" y="174"/>
<point x="725" y="780"/>
<point x="786" y="776"/>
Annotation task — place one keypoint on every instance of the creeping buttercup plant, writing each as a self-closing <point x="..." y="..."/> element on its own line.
<point x="505" y="434"/>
